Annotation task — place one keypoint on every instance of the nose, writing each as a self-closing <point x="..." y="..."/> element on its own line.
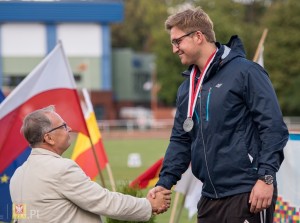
<point x="69" y="129"/>
<point x="175" y="49"/>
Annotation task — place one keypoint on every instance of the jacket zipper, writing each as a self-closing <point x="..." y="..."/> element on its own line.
<point x="204" y="146"/>
<point x="207" y="104"/>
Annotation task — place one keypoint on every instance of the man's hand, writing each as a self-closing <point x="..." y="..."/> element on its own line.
<point x="160" y="199"/>
<point x="261" y="196"/>
<point x="154" y="190"/>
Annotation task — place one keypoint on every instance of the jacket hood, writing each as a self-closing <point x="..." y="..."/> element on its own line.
<point x="226" y="52"/>
<point x="236" y="45"/>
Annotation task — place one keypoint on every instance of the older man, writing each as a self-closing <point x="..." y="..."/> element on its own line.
<point x="55" y="189"/>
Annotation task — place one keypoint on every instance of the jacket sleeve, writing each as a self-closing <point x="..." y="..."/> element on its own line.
<point x="265" y="111"/>
<point x="90" y="196"/>
<point x="178" y="154"/>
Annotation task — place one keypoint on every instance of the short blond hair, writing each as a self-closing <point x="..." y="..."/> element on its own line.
<point x="192" y="20"/>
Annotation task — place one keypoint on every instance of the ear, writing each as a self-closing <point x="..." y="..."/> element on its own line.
<point x="200" y="37"/>
<point x="48" y="139"/>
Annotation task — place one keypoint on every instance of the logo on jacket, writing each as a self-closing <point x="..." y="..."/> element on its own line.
<point x="219" y="85"/>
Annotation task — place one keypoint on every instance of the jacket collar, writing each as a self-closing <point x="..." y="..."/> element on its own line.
<point x="41" y="151"/>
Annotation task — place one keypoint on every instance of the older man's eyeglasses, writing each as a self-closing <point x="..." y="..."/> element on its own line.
<point x="64" y="125"/>
<point x="176" y="42"/>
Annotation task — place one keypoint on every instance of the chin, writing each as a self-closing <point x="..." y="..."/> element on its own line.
<point x="183" y="62"/>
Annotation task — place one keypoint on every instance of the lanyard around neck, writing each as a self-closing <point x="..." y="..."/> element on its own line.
<point x="194" y="92"/>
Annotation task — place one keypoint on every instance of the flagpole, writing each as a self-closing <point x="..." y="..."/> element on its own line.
<point x="260" y="44"/>
<point x="97" y="163"/>
<point x="181" y="208"/>
<point x="111" y="178"/>
<point x="174" y="207"/>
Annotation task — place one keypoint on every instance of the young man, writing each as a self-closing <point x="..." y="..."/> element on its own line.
<point x="55" y="189"/>
<point x="228" y="124"/>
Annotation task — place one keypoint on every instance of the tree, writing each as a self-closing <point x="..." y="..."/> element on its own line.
<point x="282" y="54"/>
<point x="141" y="23"/>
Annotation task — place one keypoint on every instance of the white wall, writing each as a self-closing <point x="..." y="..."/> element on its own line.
<point x="81" y="39"/>
<point x="23" y="39"/>
<point x="30" y="39"/>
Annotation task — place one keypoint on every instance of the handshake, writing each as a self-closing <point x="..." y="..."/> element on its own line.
<point x="160" y="199"/>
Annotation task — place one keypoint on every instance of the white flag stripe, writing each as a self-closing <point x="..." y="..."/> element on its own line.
<point x="191" y="187"/>
<point x="88" y="102"/>
<point x="33" y="84"/>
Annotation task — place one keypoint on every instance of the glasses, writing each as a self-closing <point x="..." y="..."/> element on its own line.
<point x="176" y="42"/>
<point x="58" y="127"/>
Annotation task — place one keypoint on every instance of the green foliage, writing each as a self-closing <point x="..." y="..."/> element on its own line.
<point x="282" y="54"/>
<point x="169" y="70"/>
<point x="141" y="23"/>
<point x="231" y="18"/>
<point x="125" y="189"/>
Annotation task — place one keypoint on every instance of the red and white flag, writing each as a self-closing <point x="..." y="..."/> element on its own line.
<point x="50" y="83"/>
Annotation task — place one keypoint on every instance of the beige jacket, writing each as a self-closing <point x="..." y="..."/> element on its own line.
<point x="55" y="189"/>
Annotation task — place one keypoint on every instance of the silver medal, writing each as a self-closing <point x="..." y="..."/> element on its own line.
<point x="188" y="124"/>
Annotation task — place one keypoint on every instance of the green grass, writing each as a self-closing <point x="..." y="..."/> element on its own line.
<point x="150" y="151"/>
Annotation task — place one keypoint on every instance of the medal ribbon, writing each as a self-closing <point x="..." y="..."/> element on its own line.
<point x="194" y="92"/>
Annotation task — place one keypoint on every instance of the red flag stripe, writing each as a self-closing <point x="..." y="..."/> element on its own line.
<point x="142" y="181"/>
<point x="11" y="141"/>
<point x="86" y="160"/>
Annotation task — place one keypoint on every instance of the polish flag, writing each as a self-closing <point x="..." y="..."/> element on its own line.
<point x="50" y="83"/>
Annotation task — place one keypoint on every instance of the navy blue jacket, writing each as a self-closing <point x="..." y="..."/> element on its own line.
<point x="238" y="132"/>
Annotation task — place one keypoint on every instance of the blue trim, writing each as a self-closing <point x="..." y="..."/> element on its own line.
<point x="105" y="67"/>
<point x="1" y="59"/>
<point x="294" y="136"/>
<point x="109" y="11"/>
<point x="197" y="116"/>
<point x="51" y="37"/>
<point x="207" y="104"/>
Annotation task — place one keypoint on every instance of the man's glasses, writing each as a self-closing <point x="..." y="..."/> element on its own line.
<point x="58" y="127"/>
<point x="176" y="42"/>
